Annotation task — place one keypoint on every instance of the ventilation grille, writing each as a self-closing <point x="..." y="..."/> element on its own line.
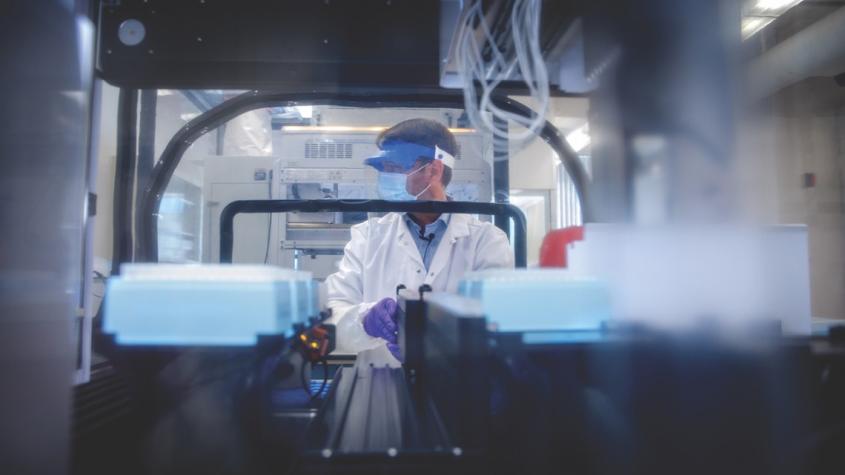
<point x="324" y="150"/>
<point x="102" y="403"/>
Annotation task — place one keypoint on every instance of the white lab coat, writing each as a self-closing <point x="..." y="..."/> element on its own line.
<point x="382" y="255"/>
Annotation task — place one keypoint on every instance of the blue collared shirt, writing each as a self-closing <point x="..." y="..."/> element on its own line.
<point x="428" y="248"/>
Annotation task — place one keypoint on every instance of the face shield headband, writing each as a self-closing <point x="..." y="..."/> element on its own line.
<point x="403" y="155"/>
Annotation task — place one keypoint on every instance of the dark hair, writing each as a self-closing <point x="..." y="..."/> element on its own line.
<point x="425" y="132"/>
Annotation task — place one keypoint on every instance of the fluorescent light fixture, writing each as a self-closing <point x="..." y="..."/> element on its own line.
<point x="753" y="24"/>
<point x="347" y="128"/>
<point x="579" y="138"/>
<point x="330" y="128"/>
<point x="776" y="5"/>
<point x="305" y="111"/>
<point x="757" y="14"/>
<point x="165" y="92"/>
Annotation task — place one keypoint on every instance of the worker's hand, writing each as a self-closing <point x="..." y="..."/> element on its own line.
<point x="394" y="350"/>
<point x="380" y="321"/>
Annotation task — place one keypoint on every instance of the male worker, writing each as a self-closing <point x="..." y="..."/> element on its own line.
<point x="415" y="162"/>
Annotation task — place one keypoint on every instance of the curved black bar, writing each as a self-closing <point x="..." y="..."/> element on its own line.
<point x="227" y="216"/>
<point x="558" y="143"/>
<point x="251" y="100"/>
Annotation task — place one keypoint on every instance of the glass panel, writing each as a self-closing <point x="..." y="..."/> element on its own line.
<point x="179" y="222"/>
<point x="305" y="152"/>
<point x="318" y="152"/>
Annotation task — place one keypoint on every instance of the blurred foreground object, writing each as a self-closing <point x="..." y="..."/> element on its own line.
<point x="686" y="276"/>
<point x="538" y="299"/>
<point x="169" y="304"/>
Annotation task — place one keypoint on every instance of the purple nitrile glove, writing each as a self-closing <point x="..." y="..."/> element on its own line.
<point x="380" y="321"/>
<point x="394" y="350"/>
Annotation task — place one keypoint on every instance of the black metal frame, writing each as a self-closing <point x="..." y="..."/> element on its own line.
<point x="227" y="216"/>
<point x="454" y="371"/>
<point x="209" y="120"/>
<point x="148" y="102"/>
<point x="433" y="413"/>
<point x="501" y="170"/>
<point x="124" y="177"/>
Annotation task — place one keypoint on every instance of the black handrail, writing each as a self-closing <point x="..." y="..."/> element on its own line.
<point x="146" y="224"/>
<point x="227" y="216"/>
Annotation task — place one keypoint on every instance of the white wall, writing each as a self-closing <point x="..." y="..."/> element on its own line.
<point x="532" y="165"/>
<point x="813" y="145"/>
<point x="775" y="152"/>
<point x="106" y="152"/>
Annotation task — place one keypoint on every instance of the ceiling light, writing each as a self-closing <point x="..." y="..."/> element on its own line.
<point x="305" y="111"/>
<point x="347" y="128"/>
<point x="753" y="24"/>
<point x="579" y="138"/>
<point x="776" y="5"/>
<point x="757" y="14"/>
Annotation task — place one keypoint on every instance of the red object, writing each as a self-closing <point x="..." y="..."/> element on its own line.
<point x="553" y="249"/>
<point x="809" y="180"/>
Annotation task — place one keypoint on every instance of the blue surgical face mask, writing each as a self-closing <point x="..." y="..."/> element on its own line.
<point x="393" y="186"/>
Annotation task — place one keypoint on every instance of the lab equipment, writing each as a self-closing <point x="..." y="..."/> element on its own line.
<point x="272" y="51"/>
<point x="474" y="394"/>
<point x="483" y="60"/>
<point x="228" y="178"/>
<point x="480" y="401"/>
<point x="680" y="277"/>
<point x="538" y="299"/>
<point x="206" y="305"/>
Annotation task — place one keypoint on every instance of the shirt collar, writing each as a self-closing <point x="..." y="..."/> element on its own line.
<point x="443" y="218"/>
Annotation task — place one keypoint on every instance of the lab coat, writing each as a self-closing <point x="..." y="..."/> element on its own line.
<point x="382" y="255"/>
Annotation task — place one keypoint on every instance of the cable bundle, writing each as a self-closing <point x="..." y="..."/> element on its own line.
<point x="483" y="61"/>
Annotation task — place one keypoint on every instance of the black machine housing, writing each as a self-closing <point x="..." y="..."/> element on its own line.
<point x="270" y="43"/>
<point x="625" y="399"/>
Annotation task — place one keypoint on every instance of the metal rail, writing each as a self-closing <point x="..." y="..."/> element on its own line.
<point x="227" y="216"/>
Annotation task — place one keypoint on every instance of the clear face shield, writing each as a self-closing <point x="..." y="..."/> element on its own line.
<point x="395" y="163"/>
